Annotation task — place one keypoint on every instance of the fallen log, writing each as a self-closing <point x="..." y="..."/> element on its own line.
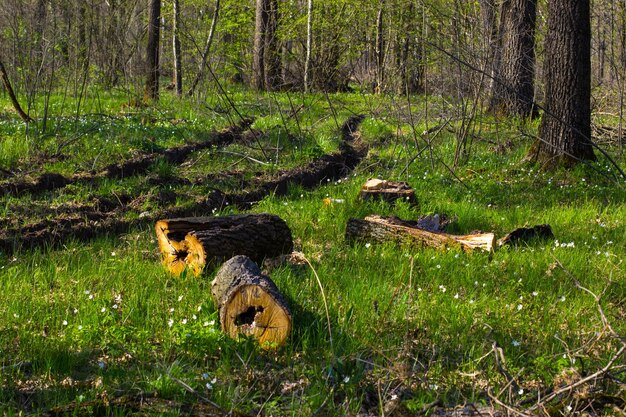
<point x="392" y="229"/>
<point x="526" y="234"/>
<point x="389" y="191"/>
<point x="249" y="303"/>
<point x="191" y="242"/>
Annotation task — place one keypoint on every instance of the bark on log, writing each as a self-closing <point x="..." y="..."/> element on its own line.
<point x="525" y="234"/>
<point x="249" y="303"/>
<point x="382" y="229"/>
<point x="388" y="191"/>
<point x="193" y="241"/>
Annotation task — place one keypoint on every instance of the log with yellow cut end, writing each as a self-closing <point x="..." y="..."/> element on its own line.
<point x="250" y="304"/>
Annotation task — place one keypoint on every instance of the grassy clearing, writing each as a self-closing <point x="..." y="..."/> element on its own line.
<point x="102" y="319"/>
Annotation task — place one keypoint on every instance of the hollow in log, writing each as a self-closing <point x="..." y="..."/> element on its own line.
<point x="389" y="191"/>
<point x="249" y="303"/>
<point x="391" y="229"/>
<point x="194" y="241"/>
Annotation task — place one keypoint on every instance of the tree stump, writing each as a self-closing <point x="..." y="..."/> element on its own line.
<point x="391" y="229"/>
<point x="389" y="191"/>
<point x="249" y="303"/>
<point x="192" y="242"/>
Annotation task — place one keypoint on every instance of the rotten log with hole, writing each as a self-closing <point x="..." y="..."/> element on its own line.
<point x="249" y="303"/>
<point x="392" y="229"/>
<point x="192" y="242"/>
<point x="389" y="191"/>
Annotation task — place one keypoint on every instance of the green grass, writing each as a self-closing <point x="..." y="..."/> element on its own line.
<point x="103" y="319"/>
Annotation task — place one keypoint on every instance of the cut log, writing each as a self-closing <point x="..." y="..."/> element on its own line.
<point x="389" y="191"/>
<point x="192" y="242"/>
<point x="392" y="229"/>
<point x="526" y="234"/>
<point x="249" y="303"/>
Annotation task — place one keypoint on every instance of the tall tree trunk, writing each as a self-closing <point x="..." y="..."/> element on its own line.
<point x="258" y="64"/>
<point x="565" y="128"/>
<point x="266" y="60"/>
<point x="513" y="91"/>
<point x="151" y="91"/>
<point x="178" y="72"/>
<point x="272" y="54"/>
<point x="309" y="44"/>
<point x="380" y="49"/>
<point x="489" y="14"/>
<point x="207" y="49"/>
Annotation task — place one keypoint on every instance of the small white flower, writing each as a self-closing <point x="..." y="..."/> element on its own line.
<point x="519" y="307"/>
<point x="184" y="321"/>
<point x="535" y="293"/>
<point x="199" y="308"/>
<point x="180" y="298"/>
<point x="65" y="322"/>
<point x="114" y="306"/>
<point x="515" y="343"/>
<point x="521" y="391"/>
<point x="91" y="296"/>
<point x="113" y="254"/>
<point x="569" y="408"/>
<point x="438" y="266"/>
<point x="394" y="397"/>
<point x="87" y="292"/>
<point x="194" y="317"/>
<point x="17" y="316"/>
<point x="419" y="289"/>
<point x="471" y="301"/>
<point x="346" y="380"/>
<point x="562" y="298"/>
<point x="367" y="245"/>
<point x="170" y="323"/>
<point x="103" y="309"/>
<point x="101" y="364"/>
<point x="80" y="327"/>
<point x="456" y="296"/>
<point x="171" y="310"/>
<point x="205" y="376"/>
<point x="75" y="311"/>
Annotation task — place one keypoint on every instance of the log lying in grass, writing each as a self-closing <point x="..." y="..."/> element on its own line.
<point x="193" y="241"/>
<point x="389" y="191"/>
<point x="525" y="234"/>
<point x="391" y="229"/>
<point x="249" y="303"/>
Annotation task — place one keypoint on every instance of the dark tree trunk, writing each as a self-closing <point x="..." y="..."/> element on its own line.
<point x="565" y="128"/>
<point x="513" y="90"/>
<point x="266" y="59"/>
<point x="178" y="71"/>
<point x="152" y="68"/>
<point x="272" y="54"/>
<point x="16" y="104"/>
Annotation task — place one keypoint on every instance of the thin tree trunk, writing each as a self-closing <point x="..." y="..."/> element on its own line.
<point x="565" y="128"/>
<point x="380" y="49"/>
<point x="178" y="72"/>
<point x="309" y="42"/>
<point x="16" y="104"/>
<point x="207" y="49"/>
<point x="151" y="91"/>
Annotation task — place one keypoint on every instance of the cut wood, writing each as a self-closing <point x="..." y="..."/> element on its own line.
<point x="249" y="303"/>
<point x="392" y="229"/>
<point x="388" y="191"/>
<point x="191" y="242"/>
<point x="526" y="234"/>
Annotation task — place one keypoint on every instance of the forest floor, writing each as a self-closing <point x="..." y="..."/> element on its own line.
<point x="92" y="323"/>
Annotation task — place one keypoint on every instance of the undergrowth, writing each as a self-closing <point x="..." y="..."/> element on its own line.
<point x="102" y="319"/>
